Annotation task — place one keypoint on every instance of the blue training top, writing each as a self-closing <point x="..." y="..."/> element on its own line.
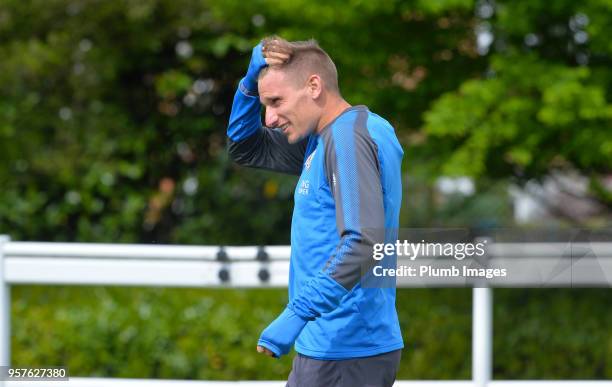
<point x="347" y="199"/>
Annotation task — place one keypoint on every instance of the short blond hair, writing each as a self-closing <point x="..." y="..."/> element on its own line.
<point x="307" y="58"/>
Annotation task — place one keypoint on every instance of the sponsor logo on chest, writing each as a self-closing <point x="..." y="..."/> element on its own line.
<point x="304" y="187"/>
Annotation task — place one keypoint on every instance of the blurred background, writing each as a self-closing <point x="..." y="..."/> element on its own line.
<point x="112" y="129"/>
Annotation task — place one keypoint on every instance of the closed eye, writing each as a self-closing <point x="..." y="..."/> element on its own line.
<point x="274" y="101"/>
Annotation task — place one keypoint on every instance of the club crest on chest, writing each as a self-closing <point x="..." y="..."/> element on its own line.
<point x="309" y="160"/>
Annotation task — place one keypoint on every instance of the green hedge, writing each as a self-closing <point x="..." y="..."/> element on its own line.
<point x="211" y="333"/>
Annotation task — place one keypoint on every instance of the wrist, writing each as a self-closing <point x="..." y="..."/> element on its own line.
<point x="257" y="63"/>
<point x="280" y="335"/>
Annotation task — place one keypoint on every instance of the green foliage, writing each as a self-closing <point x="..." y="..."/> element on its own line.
<point x="207" y="334"/>
<point x="211" y="334"/>
<point x="544" y="102"/>
<point x="147" y="333"/>
<point x="552" y="334"/>
<point x="113" y="114"/>
<point x="494" y="117"/>
<point x="109" y="110"/>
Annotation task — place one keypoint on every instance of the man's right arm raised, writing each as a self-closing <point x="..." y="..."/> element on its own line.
<point x="250" y="143"/>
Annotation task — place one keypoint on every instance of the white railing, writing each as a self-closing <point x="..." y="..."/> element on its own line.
<point x="215" y="266"/>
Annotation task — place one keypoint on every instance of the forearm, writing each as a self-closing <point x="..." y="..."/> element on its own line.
<point x="245" y="119"/>
<point x="345" y="269"/>
<point x="322" y="294"/>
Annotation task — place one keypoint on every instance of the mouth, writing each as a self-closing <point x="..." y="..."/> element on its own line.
<point x="284" y="127"/>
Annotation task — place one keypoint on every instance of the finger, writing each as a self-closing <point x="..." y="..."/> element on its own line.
<point x="265" y="351"/>
<point x="276" y="46"/>
<point x="280" y="49"/>
<point x="277" y="55"/>
<point x="274" y="62"/>
<point x="277" y="59"/>
<point x="269" y="53"/>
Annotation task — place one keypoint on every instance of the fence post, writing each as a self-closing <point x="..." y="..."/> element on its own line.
<point x="5" y="311"/>
<point x="482" y="325"/>
<point x="482" y="336"/>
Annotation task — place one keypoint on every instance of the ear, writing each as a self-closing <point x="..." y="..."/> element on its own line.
<point x="314" y="85"/>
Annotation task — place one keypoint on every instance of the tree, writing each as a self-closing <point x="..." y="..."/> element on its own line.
<point x="543" y="105"/>
<point x="113" y="114"/>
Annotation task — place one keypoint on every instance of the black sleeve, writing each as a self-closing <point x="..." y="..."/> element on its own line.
<point x="269" y="149"/>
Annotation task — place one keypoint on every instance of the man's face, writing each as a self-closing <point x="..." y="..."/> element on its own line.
<point x="289" y="106"/>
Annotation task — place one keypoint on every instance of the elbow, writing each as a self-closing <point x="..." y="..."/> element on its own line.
<point x="246" y="150"/>
<point x="233" y="150"/>
<point x="238" y="153"/>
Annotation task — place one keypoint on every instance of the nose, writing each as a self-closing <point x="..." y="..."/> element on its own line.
<point x="271" y="118"/>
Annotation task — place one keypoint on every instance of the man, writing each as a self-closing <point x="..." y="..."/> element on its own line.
<point x="347" y="198"/>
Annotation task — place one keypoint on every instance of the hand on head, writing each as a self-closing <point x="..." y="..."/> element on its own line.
<point x="270" y="52"/>
<point x="276" y="52"/>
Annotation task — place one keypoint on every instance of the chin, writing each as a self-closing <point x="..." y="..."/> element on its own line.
<point x="292" y="139"/>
